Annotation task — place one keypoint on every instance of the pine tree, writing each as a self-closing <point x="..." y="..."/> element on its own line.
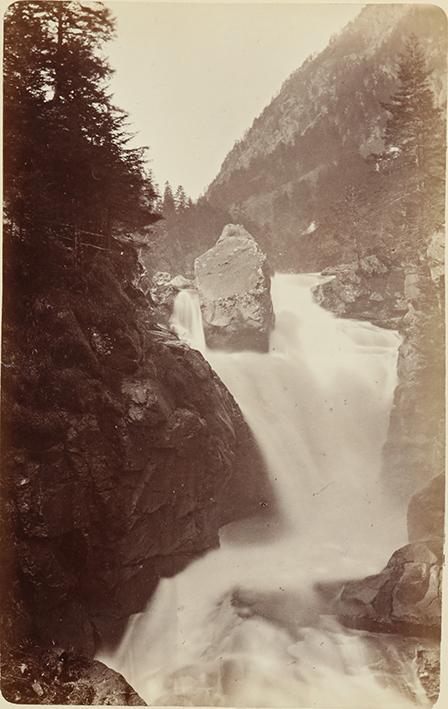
<point x="414" y="153"/>
<point x="169" y="205"/>
<point x="412" y="112"/>
<point x="67" y="164"/>
<point x="180" y="199"/>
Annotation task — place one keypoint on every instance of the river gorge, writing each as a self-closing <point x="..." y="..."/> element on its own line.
<point x="223" y="356"/>
<point x="251" y="623"/>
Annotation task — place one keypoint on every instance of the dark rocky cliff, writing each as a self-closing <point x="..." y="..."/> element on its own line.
<point x="123" y="453"/>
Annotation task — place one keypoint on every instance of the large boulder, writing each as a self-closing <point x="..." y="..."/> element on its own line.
<point x="405" y="597"/>
<point x="233" y="280"/>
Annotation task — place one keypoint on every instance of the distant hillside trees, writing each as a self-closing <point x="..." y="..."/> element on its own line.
<point x="180" y="199"/>
<point x="174" y="202"/>
<point x="168" y="203"/>
<point x="186" y="233"/>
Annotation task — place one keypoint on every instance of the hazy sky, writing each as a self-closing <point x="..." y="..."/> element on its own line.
<point x="193" y="76"/>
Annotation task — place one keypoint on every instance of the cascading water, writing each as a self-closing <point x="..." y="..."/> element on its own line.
<point x="187" y="319"/>
<point x="244" y="625"/>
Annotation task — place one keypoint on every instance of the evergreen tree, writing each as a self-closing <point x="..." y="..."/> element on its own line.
<point x="409" y="131"/>
<point x="414" y="153"/>
<point x="169" y="204"/>
<point x="67" y="164"/>
<point x="180" y="199"/>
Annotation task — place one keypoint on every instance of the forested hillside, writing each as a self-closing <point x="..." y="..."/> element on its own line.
<point x="314" y="177"/>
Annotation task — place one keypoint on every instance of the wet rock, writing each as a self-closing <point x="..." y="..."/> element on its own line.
<point x="426" y="511"/>
<point x="35" y="676"/>
<point x="233" y="280"/>
<point x="180" y="283"/>
<point x="147" y="404"/>
<point x="164" y="288"/>
<point x="159" y="285"/>
<point x="405" y="597"/>
<point x="366" y="290"/>
<point x="427" y="662"/>
<point x="393" y="658"/>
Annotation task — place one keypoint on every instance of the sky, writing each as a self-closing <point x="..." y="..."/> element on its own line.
<point x="193" y="76"/>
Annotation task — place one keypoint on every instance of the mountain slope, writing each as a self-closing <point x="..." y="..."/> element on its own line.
<point x="299" y="155"/>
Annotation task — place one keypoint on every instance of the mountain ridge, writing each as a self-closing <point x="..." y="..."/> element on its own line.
<point x="362" y="20"/>
<point x="313" y="139"/>
<point x="364" y="29"/>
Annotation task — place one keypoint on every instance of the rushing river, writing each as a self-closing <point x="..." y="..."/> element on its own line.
<point x="244" y="625"/>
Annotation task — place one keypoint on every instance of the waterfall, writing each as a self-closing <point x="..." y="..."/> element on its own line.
<point x="187" y="319"/>
<point x="244" y="625"/>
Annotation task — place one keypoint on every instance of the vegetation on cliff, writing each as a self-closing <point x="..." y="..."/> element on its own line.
<point x="121" y="449"/>
<point x="69" y="173"/>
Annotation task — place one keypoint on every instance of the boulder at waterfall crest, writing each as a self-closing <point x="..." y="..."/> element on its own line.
<point x="233" y="280"/>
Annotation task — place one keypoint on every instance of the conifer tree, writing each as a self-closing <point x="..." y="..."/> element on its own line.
<point x="169" y="204"/>
<point x="180" y="199"/>
<point x="65" y="143"/>
<point x="414" y="153"/>
<point x="413" y="115"/>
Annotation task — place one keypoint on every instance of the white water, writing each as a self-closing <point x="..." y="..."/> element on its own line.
<point x="244" y="625"/>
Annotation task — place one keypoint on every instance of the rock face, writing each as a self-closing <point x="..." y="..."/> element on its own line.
<point x="124" y="455"/>
<point x="428" y="671"/>
<point x="405" y="597"/>
<point x="233" y="280"/>
<point x="415" y="448"/>
<point x="367" y="289"/>
<point x="426" y="511"/>
<point x="164" y="288"/>
<point x="33" y="676"/>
